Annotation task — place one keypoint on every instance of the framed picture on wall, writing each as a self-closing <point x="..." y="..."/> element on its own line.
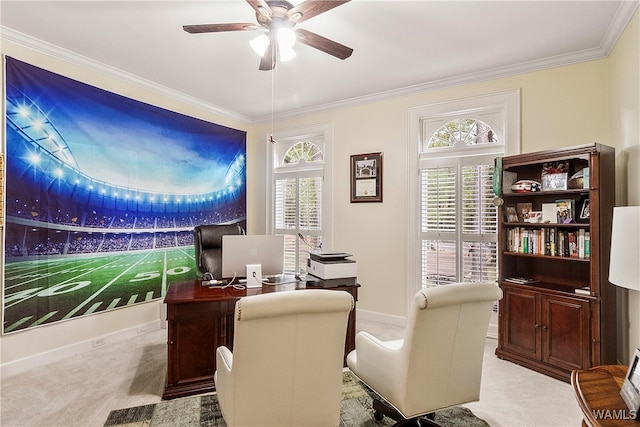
<point x="366" y="177"/>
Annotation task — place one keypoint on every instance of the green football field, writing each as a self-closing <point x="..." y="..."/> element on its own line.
<point x="54" y="289"/>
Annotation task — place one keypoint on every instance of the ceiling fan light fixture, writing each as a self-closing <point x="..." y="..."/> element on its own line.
<point x="260" y="44"/>
<point x="286" y="53"/>
<point x="286" y="37"/>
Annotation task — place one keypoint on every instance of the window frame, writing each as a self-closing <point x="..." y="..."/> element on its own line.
<point x="500" y="110"/>
<point x="321" y="135"/>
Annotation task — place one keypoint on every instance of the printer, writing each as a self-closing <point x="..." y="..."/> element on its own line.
<point x="333" y="269"/>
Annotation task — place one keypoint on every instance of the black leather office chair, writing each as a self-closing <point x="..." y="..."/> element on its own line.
<point x="208" y="244"/>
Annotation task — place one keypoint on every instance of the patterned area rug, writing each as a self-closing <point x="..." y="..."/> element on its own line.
<point x="203" y="411"/>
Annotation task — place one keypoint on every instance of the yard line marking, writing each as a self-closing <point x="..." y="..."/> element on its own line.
<point x="164" y="275"/>
<point x="43" y="319"/>
<point x="149" y="296"/>
<point x="108" y="284"/>
<point x="18" y="323"/>
<point x="66" y="270"/>
<point x="132" y="299"/>
<point x="114" y="303"/>
<point x="71" y="279"/>
<point x="93" y="308"/>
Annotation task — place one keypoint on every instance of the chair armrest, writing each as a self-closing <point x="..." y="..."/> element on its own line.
<point x="224" y="358"/>
<point x="376" y="362"/>
<point x="224" y="382"/>
<point x="224" y="364"/>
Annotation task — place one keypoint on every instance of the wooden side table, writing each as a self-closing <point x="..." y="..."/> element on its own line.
<point x="598" y="393"/>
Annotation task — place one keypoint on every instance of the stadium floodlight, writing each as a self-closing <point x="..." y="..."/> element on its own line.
<point x="34" y="158"/>
<point x="24" y="111"/>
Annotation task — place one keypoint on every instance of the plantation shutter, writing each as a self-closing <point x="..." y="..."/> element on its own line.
<point x="439" y="245"/>
<point x="458" y="220"/>
<point x="479" y="222"/>
<point x="298" y="209"/>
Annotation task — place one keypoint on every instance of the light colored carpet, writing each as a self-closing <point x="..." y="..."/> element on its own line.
<point x="82" y="389"/>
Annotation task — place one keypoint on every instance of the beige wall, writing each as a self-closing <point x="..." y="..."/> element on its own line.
<point x="560" y="107"/>
<point x="624" y="99"/>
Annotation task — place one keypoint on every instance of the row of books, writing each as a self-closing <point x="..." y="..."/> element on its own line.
<point x="550" y="242"/>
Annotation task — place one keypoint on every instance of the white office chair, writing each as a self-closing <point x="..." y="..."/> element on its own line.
<point x="286" y="365"/>
<point x="438" y="363"/>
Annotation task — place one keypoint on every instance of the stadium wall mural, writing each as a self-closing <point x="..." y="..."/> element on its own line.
<point x="102" y="194"/>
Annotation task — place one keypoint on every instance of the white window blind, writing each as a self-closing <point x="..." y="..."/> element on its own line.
<point x="298" y="201"/>
<point x="458" y="220"/>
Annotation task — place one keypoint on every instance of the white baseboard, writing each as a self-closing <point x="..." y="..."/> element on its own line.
<point x="22" y="365"/>
<point x="381" y="318"/>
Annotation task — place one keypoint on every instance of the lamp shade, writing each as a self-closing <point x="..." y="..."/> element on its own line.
<point x="624" y="268"/>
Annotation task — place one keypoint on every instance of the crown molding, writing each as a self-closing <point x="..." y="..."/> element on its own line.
<point x="623" y="16"/>
<point x="109" y="71"/>
<point x="621" y="20"/>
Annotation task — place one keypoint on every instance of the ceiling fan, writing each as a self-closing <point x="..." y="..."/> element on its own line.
<point x="277" y="15"/>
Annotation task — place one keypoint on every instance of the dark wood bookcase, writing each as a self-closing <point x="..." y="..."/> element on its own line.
<point x="564" y="318"/>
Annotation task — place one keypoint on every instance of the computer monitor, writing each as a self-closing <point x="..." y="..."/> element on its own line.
<point x="240" y="250"/>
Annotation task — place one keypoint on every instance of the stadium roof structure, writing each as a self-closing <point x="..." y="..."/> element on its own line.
<point x="47" y="160"/>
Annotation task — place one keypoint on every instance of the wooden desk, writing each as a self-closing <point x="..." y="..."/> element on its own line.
<point x="598" y="393"/>
<point x="200" y="319"/>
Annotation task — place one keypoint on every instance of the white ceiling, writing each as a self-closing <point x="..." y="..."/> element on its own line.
<point x="399" y="46"/>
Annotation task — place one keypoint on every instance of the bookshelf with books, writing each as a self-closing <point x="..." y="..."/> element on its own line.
<point x="558" y="312"/>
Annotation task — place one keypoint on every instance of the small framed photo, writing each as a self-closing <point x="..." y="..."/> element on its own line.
<point x="554" y="176"/>
<point x="366" y="177"/>
<point x="510" y="214"/>
<point x="523" y="210"/>
<point x="554" y="182"/>
<point x="630" y="390"/>
<point x="585" y="212"/>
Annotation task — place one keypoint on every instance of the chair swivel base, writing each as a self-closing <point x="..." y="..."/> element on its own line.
<point x="382" y="408"/>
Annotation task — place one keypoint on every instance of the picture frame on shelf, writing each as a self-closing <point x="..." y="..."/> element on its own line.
<point x="585" y="212"/>
<point x="555" y="176"/>
<point x="366" y="177"/>
<point x="510" y="214"/>
<point x="523" y="210"/>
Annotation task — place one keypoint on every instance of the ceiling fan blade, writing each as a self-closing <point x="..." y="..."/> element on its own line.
<point x="215" y="28"/>
<point x="268" y="61"/>
<point x="324" y="44"/>
<point x="263" y="11"/>
<point x="310" y="8"/>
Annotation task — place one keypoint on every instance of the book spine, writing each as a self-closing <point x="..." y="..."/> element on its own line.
<point x="587" y="245"/>
<point x="581" y="243"/>
<point x="573" y="244"/>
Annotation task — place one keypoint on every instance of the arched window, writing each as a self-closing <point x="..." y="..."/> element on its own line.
<point x="452" y="217"/>
<point x="304" y="151"/>
<point x="458" y="218"/>
<point x="299" y="202"/>
<point x="468" y="131"/>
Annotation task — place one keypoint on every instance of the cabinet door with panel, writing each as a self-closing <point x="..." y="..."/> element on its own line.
<point x="565" y="322"/>
<point x="519" y="320"/>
